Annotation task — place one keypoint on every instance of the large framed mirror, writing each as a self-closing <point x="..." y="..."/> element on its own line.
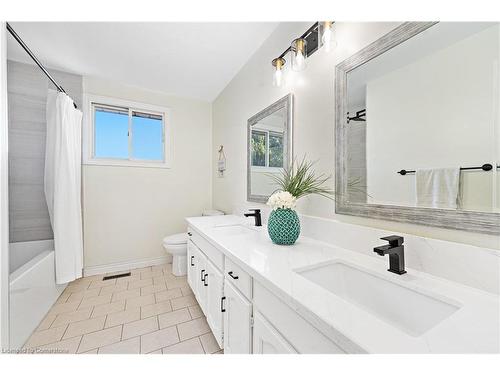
<point x="417" y="127"/>
<point x="269" y="147"/>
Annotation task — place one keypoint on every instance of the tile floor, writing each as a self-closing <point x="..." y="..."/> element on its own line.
<point x="150" y="311"/>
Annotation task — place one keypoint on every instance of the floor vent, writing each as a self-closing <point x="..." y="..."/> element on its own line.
<point x="116" y="276"/>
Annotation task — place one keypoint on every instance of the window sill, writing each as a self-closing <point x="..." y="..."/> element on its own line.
<point x="266" y="169"/>
<point x="126" y="163"/>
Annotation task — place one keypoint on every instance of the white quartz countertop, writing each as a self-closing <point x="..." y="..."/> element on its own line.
<point x="473" y="328"/>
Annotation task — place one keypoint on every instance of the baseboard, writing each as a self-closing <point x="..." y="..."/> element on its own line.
<point x="125" y="266"/>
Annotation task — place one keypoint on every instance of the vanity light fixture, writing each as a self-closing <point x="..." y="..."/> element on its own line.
<point x="326" y="36"/>
<point x="278" y="64"/>
<point x="318" y="35"/>
<point x="298" y="51"/>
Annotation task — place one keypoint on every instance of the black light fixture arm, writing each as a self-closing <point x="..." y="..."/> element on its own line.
<point x="309" y="31"/>
<point x="34" y="58"/>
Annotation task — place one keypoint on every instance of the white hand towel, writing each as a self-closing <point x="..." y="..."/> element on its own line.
<point x="438" y="188"/>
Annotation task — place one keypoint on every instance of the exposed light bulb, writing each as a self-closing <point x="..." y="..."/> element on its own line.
<point x="300" y="60"/>
<point x="278" y="77"/>
<point x="299" y="54"/>
<point x="278" y="72"/>
<point x="327" y="39"/>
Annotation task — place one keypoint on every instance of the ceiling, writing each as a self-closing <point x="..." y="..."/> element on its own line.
<point x="194" y="60"/>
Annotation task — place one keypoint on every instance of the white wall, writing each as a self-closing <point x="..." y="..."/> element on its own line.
<point x="262" y="184"/>
<point x="128" y="210"/>
<point x="444" y="120"/>
<point x="251" y="91"/>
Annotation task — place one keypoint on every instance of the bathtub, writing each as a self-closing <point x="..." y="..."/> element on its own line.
<point x="33" y="290"/>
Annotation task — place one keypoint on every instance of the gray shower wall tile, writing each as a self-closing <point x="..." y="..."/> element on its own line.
<point x="29" y="225"/>
<point x="356" y="160"/>
<point x="36" y="234"/>
<point x="27" y="95"/>
<point x="27" y="144"/>
<point x="26" y="80"/>
<point x="32" y="223"/>
<point x="27" y="171"/>
<point x="28" y="196"/>
<point x="28" y="104"/>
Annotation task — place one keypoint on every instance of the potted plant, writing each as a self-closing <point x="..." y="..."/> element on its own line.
<point x="295" y="182"/>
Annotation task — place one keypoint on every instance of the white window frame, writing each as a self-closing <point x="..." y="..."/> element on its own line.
<point x="89" y="132"/>
<point x="266" y="168"/>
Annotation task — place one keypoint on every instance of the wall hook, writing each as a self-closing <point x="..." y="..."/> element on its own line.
<point x="221" y="163"/>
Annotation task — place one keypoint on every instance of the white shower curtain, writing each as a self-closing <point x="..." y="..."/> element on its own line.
<point x="63" y="184"/>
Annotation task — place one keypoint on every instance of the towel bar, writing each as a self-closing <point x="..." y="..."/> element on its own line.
<point x="484" y="167"/>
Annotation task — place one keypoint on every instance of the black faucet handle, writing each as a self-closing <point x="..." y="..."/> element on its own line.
<point x="256" y="215"/>
<point x="394" y="241"/>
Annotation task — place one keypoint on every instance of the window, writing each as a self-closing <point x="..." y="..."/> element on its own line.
<point x="266" y="149"/>
<point x="110" y="133"/>
<point x="147" y="141"/>
<point x="125" y="133"/>
<point x="276" y="150"/>
<point x="259" y="148"/>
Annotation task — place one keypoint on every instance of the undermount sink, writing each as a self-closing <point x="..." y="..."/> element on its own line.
<point x="405" y="308"/>
<point x="234" y="230"/>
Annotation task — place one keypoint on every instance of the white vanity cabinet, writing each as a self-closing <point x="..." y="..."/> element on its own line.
<point x="238" y="309"/>
<point x="193" y="265"/>
<point x="267" y="340"/>
<point x="292" y="328"/>
<point x="199" y="290"/>
<point x="206" y="280"/>
<point x="244" y="315"/>
<point x="239" y="278"/>
<point x="213" y="282"/>
<point x="237" y="321"/>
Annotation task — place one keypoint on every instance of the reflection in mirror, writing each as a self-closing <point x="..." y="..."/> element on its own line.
<point x="429" y="106"/>
<point x="269" y="148"/>
<point x="267" y="152"/>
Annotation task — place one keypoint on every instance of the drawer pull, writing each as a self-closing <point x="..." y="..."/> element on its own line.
<point x="230" y="273"/>
<point x="222" y="309"/>
<point x="190" y="234"/>
<point x="192" y="258"/>
<point x="201" y="277"/>
<point x="205" y="282"/>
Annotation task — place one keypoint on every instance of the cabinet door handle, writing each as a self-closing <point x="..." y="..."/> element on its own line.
<point x="192" y="258"/>
<point x="201" y="277"/>
<point x="190" y="234"/>
<point x="205" y="282"/>
<point x="230" y="273"/>
<point x="222" y="309"/>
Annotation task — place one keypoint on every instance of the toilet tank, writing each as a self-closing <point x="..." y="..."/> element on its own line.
<point x="212" y="213"/>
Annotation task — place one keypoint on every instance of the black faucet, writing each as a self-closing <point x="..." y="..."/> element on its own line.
<point x="256" y="214"/>
<point x="395" y="249"/>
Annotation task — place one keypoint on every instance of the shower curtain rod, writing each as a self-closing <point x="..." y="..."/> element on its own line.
<point x="34" y="58"/>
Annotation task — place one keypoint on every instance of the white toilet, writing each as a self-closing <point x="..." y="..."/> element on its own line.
<point x="176" y="245"/>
